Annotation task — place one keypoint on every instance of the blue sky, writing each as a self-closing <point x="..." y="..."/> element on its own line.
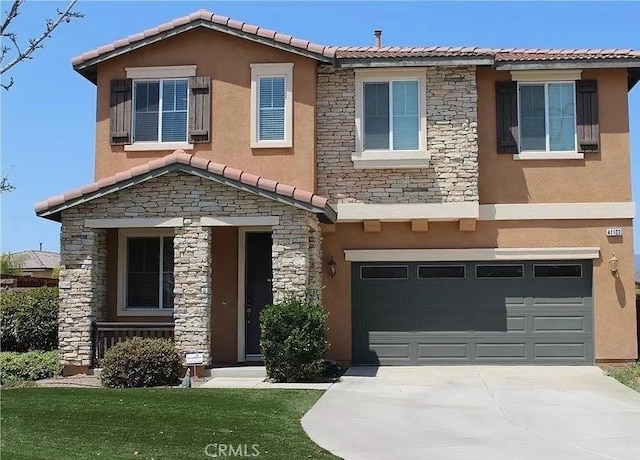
<point x="48" y="117"/>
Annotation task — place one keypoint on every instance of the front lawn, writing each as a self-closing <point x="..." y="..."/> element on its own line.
<point x="630" y="376"/>
<point x="166" y="423"/>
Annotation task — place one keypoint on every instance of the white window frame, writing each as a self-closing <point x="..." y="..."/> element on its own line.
<point x="547" y="154"/>
<point x="259" y="71"/>
<point x="123" y="235"/>
<point x="158" y="73"/>
<point x="384" y="159"/>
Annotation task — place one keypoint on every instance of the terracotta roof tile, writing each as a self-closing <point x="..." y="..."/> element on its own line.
<point x="179" y="156"/>
<point x="364" y="52"/>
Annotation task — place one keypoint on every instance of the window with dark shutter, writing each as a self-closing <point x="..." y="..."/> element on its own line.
<point x="507" y="116"/>
<point x="120" y="112"/>
<point x="199" y="109"/>
<point x="588" y="130"/>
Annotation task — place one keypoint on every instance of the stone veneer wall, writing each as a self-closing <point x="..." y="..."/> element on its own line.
<point x="82" y="288"/>
<point x="451" y="141"/>
<point x="82" y="280"/>
<point x="192" y="288"/>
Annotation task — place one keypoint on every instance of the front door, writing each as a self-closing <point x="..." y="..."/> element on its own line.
<point x="257" y="287"/>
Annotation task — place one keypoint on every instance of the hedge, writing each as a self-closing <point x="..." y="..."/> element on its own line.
<point x="32" y="365"/>
<point x="29" y="319"/>
<point x="139" y="362"/>
<point x="294" y="340"/>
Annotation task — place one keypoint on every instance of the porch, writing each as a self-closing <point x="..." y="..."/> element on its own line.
<point x="184" y="254"/>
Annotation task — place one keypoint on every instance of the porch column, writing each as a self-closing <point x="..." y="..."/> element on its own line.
<point x="296" y="254"/>
<point x="82" y="288"/>
<point x="192" y="289"/>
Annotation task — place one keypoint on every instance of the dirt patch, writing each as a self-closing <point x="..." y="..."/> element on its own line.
<point x="72" y="381"/>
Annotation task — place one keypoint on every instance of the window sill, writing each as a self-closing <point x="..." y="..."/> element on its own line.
<point x="549" y="156"/>
<point x="271" y="145"/>
<point x="145" y="312"/>
<point x="409" y="159"/>
<point x="151" y="146"/>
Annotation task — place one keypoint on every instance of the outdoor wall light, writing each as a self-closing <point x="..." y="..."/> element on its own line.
<point x="332" y="267"/>
<point x="613" y="264"/>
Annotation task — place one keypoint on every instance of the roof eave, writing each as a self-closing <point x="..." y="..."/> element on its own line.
<point x="413" y="62"/>
<point x="87" y="68"/>
<point x="326" y="214"/>
<point x="568" y="64"/>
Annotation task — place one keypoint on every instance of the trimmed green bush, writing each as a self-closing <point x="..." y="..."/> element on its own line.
<point x="29" y="319"/>
<point x="139" y="362"/>
<point x="294" y="340"/>
<point x="33" y="365"/>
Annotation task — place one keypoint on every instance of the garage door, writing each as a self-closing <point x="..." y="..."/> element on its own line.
<point x="472" y="312"/>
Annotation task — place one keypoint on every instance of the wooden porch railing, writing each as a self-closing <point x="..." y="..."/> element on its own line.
<point x="106" y="334"/>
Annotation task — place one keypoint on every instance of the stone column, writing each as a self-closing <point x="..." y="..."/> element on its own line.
<point x="314" y="290"/>
<point x="192" y="290"/>
<point x="82" y="287"/>
<point x="297" y="257"/>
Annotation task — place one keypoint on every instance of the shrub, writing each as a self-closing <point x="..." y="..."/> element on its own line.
<point x="139" y="362"/>
<point x="29" y="319"/>
<point x="33" y="365"/>
<point x="294" y="340"/>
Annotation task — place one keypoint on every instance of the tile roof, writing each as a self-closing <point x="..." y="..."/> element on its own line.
<point x="329" y="53"/>
<point x="499" y="54"/>
<point x="32" y="259"/>
<point x="216" y="19"/>
<point x="48" y="208"/>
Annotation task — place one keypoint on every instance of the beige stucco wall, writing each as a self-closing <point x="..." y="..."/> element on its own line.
<point x="614" y="297"/>
<point x="227" y="61"/>
<point x="603" y="176"/>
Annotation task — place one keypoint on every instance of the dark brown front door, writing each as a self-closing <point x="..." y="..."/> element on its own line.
<point x="257" y="287"/>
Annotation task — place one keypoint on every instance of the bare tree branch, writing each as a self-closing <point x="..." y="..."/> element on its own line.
<point x="8" y="85"/>
<point x="11" y="14"/>
<point x="34" y="43"/>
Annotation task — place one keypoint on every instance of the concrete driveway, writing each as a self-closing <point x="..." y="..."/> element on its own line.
<point x="475" y="413"/>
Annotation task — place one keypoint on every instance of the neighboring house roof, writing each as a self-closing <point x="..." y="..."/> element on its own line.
<point x="37" y="260"/>
<point x="181" y="161"/>
<point x="341" y="55"/>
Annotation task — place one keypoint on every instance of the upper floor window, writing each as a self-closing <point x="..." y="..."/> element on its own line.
<point x="391" y="115"/>
<point x="160" y="113"/>
<point x="547" y="117"/>
<point x="271" y="105"/>
<point x="160" y="108"/>
<point x="390" y="119"/>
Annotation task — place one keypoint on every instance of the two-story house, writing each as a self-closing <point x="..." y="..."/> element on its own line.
<point x="447" y="205"/>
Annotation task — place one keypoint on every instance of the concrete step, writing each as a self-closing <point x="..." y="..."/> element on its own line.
<point x="238" y="372"/>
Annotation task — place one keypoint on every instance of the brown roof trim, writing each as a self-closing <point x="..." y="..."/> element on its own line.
<point x="181" y="161"/>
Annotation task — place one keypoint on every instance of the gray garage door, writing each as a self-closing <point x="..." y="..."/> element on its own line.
<point x="472" y="312"/>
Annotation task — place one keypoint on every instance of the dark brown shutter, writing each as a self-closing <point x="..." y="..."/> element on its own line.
<point x="587" y="116"/>
<point x="199" y="109"/>
<point x="507" y="116"/>
<point x="121" y="112"/>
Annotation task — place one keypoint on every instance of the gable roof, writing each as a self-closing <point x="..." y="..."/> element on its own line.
<point x="181" y="161"/>
<point x="31" y="259"/>
<point x="85" y="63"/>
<point x="350" y="55"/>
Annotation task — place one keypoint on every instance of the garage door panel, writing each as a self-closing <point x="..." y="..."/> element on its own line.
<point x="442" y="350"/>
<point x="494" y="320"/>
<point x="559" y="324"/>
<point x="501" y="350"/>
<point x="516" y="324"/>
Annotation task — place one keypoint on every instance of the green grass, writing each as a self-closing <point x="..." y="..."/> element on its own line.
<point x="168" y="423"/>
<point x="630" y="376"/>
